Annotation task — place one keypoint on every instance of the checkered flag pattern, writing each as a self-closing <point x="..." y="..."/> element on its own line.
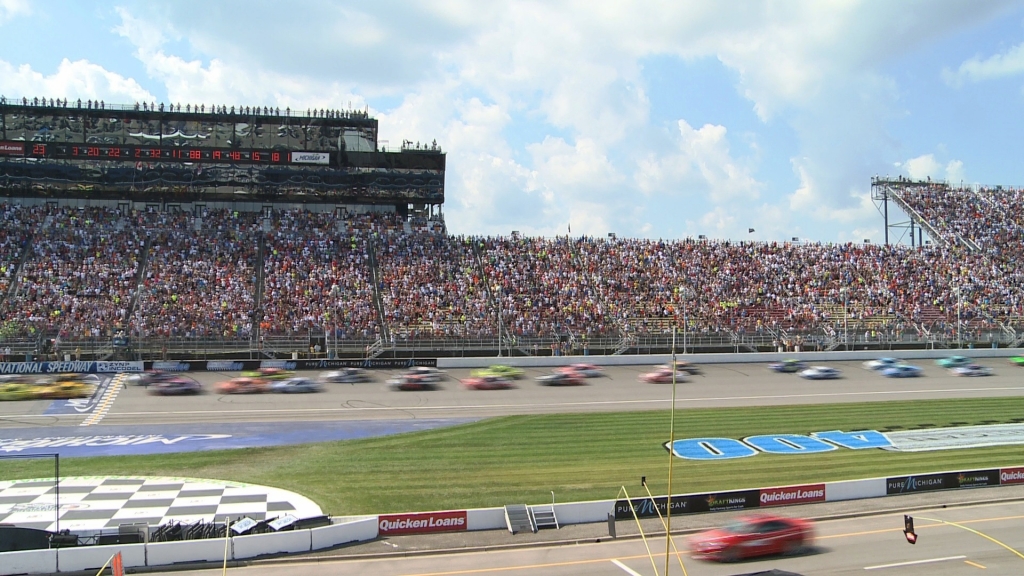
<point x="102" y="503"/>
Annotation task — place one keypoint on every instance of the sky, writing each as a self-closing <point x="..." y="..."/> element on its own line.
<point x="655" y="118"/>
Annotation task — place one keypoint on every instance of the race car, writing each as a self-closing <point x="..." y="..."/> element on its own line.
<point x="269" y="374"/>
<point x="243" y="385"/>
<point x="489" y="383"/>
<point x="175" y="386"/>
<point x="787" y="366"/>
<point x="901" y="371"/>
<point x="499" y="370"/>
<point x="427" y="373"/>
<point x="295" y="385"/>
<point x="17" y="391"/>
<point x="820" y="373"/>
<point x="585" y="370"/>
<point x="683" y="366"/>
<point x="412" y="382"/>
<point x="751" y="536"/>
<point x="149" y="377"/>
<point x="663" y="376"/>
<point x="882" y="363"/>
<point x="562" y="379"/>
<point x="1017" y="360"/>
<point x="346" y="376"/>
<point x="63" y="390"/>
<point x="972" y="370"/>
<point x="954" y="361"/>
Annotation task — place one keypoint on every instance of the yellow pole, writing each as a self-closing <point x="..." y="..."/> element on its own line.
<point x="641" y="529"/>
<point x="674" y="548"/>
<point x="671" y="457"/>
<point x="227" y="541"/>
<point x="107" y="563"/>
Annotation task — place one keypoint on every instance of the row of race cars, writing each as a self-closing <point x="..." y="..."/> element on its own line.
<point x="264" y="380"/>
<point x="49" y="387"/>
<point x="889" y="367"/>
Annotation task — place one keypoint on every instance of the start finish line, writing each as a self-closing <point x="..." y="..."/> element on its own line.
<point x="818" y="442"/>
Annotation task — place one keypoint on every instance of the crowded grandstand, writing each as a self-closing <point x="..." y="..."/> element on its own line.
<point x="140" y="225"/>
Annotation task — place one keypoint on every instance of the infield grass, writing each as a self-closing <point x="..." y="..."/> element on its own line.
<point x="521" y="459"/>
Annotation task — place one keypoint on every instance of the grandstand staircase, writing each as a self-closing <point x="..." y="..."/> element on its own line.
<point x="503" y="337"/>
<point x="378" y="302"/>
<point x="261" y="273"/>
<point x="140" y="277"/>
<point x="916" y="217"/>
<point x="26" y="253"/>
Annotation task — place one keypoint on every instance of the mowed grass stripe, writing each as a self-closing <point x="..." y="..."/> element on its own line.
<point x="578" y="456"/>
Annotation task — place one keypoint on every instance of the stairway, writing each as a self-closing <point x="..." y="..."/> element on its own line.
<point x="519" y="518"/>
<point x="544" y="516"/>
<point x="378" y="302"/>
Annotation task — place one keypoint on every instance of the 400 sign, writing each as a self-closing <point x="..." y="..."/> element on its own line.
<point x="815" y="443"/>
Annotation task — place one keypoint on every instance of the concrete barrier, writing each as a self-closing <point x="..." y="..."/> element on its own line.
<point x="485" y="519"/>
<point x="278" y="543"/>
<point x="752" y="357"/>
<point x="584" y="512"/>
<point x="854" y="489"/>
<point x="92" y="557"/>
<point x="28" y="562"/>
<point x="166" y="553"/>
<point x="353" y="531"/>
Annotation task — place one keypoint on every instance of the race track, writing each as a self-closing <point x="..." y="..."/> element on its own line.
<point x="719" y="385"/>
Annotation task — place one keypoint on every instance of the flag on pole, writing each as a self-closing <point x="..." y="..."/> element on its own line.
<point x="749" y="230"/>
<point x="117" y="566"/>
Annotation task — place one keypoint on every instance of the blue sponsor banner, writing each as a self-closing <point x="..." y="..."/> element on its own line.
<point x="82" y="367"/>
<point x="136" y="440"/>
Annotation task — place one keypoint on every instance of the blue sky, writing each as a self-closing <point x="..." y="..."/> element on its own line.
<point x="658" y="119"/>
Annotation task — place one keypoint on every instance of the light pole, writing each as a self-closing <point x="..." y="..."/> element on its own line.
<point x="959" y="300"/>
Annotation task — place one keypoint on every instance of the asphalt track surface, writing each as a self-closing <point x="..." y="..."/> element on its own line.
<point x="620" y="390"/>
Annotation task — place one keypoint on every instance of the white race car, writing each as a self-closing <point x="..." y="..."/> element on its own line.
<point x="820" y="373"/>
<point x="346" y="376"/>
<point x="882" y="363"/>
<point x="972" y="370"/>
<point x="427" y="374"/>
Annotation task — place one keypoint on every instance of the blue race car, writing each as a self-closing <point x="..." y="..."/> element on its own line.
<point x="902" y="371"/>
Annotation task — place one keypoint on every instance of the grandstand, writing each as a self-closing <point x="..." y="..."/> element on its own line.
<point x="148" y="231"/>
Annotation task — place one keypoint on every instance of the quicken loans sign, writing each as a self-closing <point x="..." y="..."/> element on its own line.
<point x="817" y="442"/>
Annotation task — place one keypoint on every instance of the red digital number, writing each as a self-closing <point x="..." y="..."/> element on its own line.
<point x="74" y="150"/>
<point x="92" y="151"/>
<point x="114" y="152"/>
<point x="195" y="154"/>
<point x="138" y="152"/>
<point x="216" y="154"/>
<point x="39" y="149"/>
<point x="255" y="156"/>
<point x="236" y="156"/>
<point x="154" y="153"/>
<point x="275" y="157"/>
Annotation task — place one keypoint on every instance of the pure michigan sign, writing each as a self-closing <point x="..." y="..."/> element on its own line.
<point x="818" y="442"/>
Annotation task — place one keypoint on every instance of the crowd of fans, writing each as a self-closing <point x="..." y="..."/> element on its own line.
<point x="75" y="272"/>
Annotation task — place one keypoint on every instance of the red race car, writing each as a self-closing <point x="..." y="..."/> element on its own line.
<point x="243" y="385"/>
<point x="409" y="382"/>
<point x="489" y="383"/>
<point x="663" y="376"/>
<point x="751" y="536"/>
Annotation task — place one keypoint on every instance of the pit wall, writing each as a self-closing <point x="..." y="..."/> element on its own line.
<point x="747" y="357"/>
<point x="361" y="529"/>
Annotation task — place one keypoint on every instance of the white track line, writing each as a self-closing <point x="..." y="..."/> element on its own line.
<point x="625" y="568"/>
<point x="113" y="389"/>
<point x="914" y="562"/>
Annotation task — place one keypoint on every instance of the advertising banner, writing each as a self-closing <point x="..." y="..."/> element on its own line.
<point x="977" y="478"/>
<point x="422" y="522"/>
<point x="786" y="495"/>
<point x="688" y="504"/>
<point x="383" y="363"/>
<point x="943" y="481"/>
<point x="311" y="158"/>
<point x="1009" y="476"/>
<point x="12" y="148"/>
<point x="82" y="367"/>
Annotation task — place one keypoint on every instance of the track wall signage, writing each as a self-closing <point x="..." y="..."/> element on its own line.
<point x="713" y="448"/>
<point x="325" y="364"/>
<point x="58" y="367"/>
<point x="422" y="522"/>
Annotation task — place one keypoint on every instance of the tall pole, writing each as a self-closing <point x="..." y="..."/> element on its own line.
<point x="671" y="457"/>
<point x="959" y="300"/>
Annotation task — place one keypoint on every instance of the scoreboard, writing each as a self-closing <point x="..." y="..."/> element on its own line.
<point x="159" y="154"/>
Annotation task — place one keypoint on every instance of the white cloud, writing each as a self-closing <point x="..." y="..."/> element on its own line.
<point x="927" y="167"/>
<point x="11" y="9"/>
<point x="72" y="80"/>
<point x="1009" y="63"/>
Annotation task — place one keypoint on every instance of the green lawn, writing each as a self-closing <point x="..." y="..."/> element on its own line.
<point x="578" y="456"/>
